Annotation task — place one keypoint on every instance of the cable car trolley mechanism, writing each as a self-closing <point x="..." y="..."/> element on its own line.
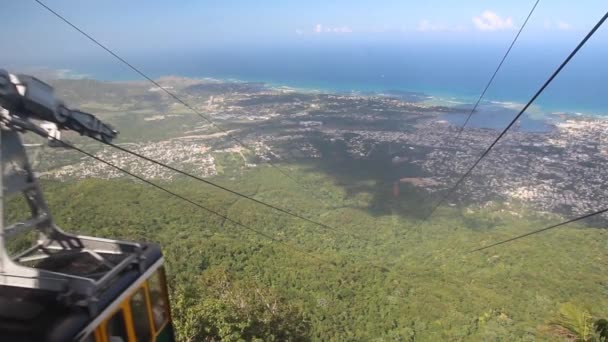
<point x="67" y="287"/>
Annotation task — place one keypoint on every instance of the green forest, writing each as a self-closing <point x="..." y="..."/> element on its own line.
<point x="381" y="275"/>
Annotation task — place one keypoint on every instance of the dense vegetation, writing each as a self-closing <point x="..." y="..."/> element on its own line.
<point x="381" y="277"/>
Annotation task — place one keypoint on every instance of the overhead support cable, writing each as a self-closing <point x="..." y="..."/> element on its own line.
<point x="491" y="80"/>
<point x="481" y="96"/>
<point x="183" y="198"/>
<point x="528" y="104"/>
<point x="221" y="187"/>
<point x="174" y="96"/>
<point x="542" y="230"/>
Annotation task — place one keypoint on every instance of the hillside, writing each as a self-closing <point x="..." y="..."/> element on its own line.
<point x="369" y="167"/>
<point x="396" y="280"/>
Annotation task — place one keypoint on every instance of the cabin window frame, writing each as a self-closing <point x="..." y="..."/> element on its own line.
<point x="148" y="307"/>
<point x="99" y="336"/>
<point x="157" y="277"/>
<point x="126" y="315"/>
<point x="160" y="274"/>
<point x="94" y="336"/>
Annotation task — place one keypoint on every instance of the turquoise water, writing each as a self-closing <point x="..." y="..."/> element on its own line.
<point x="449" y="71"/>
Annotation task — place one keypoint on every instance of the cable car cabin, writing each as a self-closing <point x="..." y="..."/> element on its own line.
<point x="133" y="307"/>
<point x="67" y="287"/>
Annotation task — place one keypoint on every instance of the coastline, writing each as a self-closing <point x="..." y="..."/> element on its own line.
<point x="542" y="112"/>
<point x="432" y="98"/>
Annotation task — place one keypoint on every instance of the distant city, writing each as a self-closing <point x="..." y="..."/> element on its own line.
<point x="562" y="170"/>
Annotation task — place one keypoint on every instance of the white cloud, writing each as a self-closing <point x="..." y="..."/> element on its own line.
<point x="564" y="26"/>
<point x="428" y="26"/>
<point x="557" y="25"/>
<point x="337" y="29"/>
<point x="299" y="32"/>
<point x="343" y="29"/>
<point x="490" y="21"/>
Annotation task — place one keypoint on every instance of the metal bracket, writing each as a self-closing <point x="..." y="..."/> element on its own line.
<point x="76" y="267"/>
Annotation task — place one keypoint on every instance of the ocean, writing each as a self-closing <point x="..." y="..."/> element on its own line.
<point x="447" y="72"/>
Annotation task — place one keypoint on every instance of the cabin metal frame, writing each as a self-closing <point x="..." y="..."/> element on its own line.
<point x="63" y="286"/>
<point x="54" y="246"/>
<point x="52" y="263"/>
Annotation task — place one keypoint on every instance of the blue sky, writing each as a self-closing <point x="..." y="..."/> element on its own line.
<point x="444" y="42"/>
<point x="418" y="45"/>
<point x="149" y="25"/>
